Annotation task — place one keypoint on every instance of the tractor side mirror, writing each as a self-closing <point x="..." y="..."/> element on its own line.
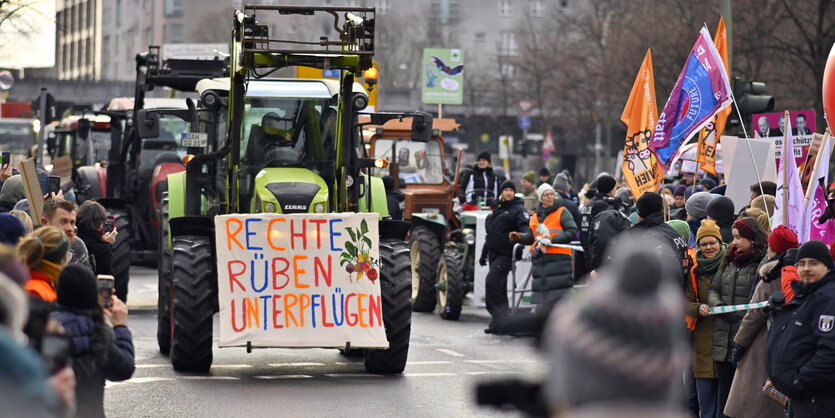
<point x="84" y="128"/>
<point x="147" y="123"/>
<point x="421" y="127"/>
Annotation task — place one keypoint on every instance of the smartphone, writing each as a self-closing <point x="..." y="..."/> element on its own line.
<point x="54" y="184"/>
<point x="109" y="223"/>
<point x="105" y="285"/>
<point x="55" y="352"/>
<point x="6" y="158"/>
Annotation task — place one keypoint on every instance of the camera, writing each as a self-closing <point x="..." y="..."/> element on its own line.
<point x="105" y="286"/>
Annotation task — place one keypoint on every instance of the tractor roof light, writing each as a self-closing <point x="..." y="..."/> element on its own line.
<point x="371" y="77"/>
<point x="188" y="158"/>
<point x="381" y="163"/>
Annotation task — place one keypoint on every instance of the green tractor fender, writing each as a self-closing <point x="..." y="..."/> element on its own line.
<point x="378" y="197"/>
<point x="177" y="195"/>
<point x="433" y="220"/>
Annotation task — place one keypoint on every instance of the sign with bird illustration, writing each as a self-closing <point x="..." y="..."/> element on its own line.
<point x="443" y="80"/>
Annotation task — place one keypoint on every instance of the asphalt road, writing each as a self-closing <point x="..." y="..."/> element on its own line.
<point x="446" y="361"/>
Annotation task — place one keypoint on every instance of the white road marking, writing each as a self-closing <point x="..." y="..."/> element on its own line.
<point x="352" y="375"/>
<point x="150" y="366"/>
<point x="498" y="361"/>
<point x="139" y="380"/>
<point x="231" y="366"/>
<point x="450" y="352"/>
<point x="284" y="376"/>
<point x="295" y="364"/>
<point x="421" y="363"/>
<point x="210" y="378"/>
<point x="349" y="363"/>
<point x="491" y="372"/>
<point x="428" y="374"/>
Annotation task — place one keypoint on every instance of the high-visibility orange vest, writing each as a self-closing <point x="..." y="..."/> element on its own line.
<point x="691" y="322"/>
<point x="552" y="222"/>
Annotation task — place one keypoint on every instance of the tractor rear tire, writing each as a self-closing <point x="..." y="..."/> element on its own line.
<point x="426" y="251"/>
<point x="164" y="282"/>
<point x="121" y="253"/>
<point x="192" y="304"/>
<point x="395" y="280"/>
<point x="452" y="287"/>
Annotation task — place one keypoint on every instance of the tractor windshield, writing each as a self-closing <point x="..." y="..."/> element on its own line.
<point x="418" y="162"/>
<point x="17" y="136"/>
<point x="284" y="131"/>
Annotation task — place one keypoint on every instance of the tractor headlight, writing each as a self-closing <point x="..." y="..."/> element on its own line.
<point x="349" y="181"/>
<point x="469" y="239"/>
<point x="269" y="207"/>
<point x="319" y="208"/>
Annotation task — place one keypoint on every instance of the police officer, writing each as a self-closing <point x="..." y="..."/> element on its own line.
<point x="509" y="215"/>
<point x="800" y="350"/>
<point x="602" y="200"/>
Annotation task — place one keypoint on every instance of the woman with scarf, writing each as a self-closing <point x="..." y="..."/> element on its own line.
<point x="732" y="286"/>
<point x="45" y="252"/>
<point x="711" y="251"/>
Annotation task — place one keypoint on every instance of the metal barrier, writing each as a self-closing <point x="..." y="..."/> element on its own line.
<point x="516" y="290"/>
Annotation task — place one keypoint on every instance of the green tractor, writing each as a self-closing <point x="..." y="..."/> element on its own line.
<point x="280" y="146"/>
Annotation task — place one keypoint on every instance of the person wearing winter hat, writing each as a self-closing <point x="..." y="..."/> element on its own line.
<point x="544" y="176"/>
<point x="606" y="185"/>
<point x="394" y="199"/>
<point x="746" y="399"/>
<point x="12" y="266"/>
<point x="678" y="197"/>
<point x="696" y="211"/>
<point x="690" y="191"/>
<point x="721" y="210"/>
<point x="764" y="203"/>
<point x="551" y="271"/>
<point x="651" y="221"/>
<point x="562" y="183"/>
<point x="709" y="255"/>
<point x="529" y="191"/>
<point x="99" y="351"/>
<point x="681" y="227"/>
<point x="760" y="216"/>
<point x="508" y="215"/>
<point x="604" y="355"/>
<point x="481" y="184"/>
<point x="11" y="229"/>
<point x="45" y="252"/>
<point x="800" y="351"/>
<point x="732" y="286"/>
<point x="25" y="218"/>
<point x="602" y="200"/>
<point x="707" y="183"/>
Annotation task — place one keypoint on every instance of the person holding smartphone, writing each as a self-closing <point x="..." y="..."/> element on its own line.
<point x="102" y="345"/>
<point x="91" y="222"/>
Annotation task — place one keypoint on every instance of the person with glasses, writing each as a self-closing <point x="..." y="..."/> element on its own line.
<point x="747" y="398"/>
<point x="800" y="349"/>
<point x="731" y="286"/>
<point x="711" y="250"/>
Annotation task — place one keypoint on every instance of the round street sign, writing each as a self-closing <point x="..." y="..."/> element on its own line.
<point x="485" y="138"/>
<point x="524" y="122"/>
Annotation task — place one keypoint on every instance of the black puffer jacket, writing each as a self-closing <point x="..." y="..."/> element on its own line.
<point x="605" y="227"/>
<point x="101" y="252"/>
<point x="507" y="217"/>
<point x="479" y="185"/>
<point x="99" y="352"/>
<point x="551" y="272"/>
<point x="598" y="204"/>
<point x="654" y="224"/>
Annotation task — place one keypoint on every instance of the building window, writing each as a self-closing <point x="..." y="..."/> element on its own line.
<point x="445" y="12"/>
<point x="507" y="44"/>
<point x="173" y="7"/>
<point x="176" y="33"/>
<point x="563" y="3"/>
<point x="118" y="13"/>
<point x="505" y="8"/>
<point x="383" y="7"/>
<point x="537" y="8"/>
<point x="479" y="36"/>
<point x="507" y="70"/>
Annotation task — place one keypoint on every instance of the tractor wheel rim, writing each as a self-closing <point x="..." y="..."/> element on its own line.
<point x="414" y="251"/>
<point x="443" y="283"/>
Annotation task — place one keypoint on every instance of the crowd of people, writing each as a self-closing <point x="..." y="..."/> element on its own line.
<point x="744" y="361"/>
<point x="62" y="334"/>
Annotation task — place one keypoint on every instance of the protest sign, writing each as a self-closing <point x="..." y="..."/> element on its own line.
<point x="771" y="125"/>
<point x="300" y="280"/>
<point x="32" y="187"/>
<point x="739" y="169"/>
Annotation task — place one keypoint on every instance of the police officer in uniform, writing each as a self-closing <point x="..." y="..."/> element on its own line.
<point x="509" y="215"/>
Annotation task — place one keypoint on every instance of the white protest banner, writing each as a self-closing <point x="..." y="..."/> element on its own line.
<point x="300" y="280"/>
<point x="739" y="169"/>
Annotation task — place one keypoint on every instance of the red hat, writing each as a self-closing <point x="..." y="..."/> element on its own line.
<point x="782" y="239"/>
<point x="745" y="230"/>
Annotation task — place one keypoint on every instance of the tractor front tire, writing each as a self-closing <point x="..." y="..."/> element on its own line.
<point x="395" y="280"/>
<point x="192" y="304"/>
<point x="164" y="282"/>
<point x="451" y="285"/>
<point x="121" y="253"/>
<point x="426" y="251"/>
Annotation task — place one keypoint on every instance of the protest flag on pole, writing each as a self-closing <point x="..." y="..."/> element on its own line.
<point x="790" y="202"/>
<point x="816" y="197"/>
<point x="720" y="41"/>
<point x="640" y="168"/>
<point x="709" y="134"/>
<point x="702" y="90"/>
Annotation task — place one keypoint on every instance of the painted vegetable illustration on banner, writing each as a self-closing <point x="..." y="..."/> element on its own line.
<point x="356" y="258"/>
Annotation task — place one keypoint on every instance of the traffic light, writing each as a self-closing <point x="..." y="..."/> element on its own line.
<point x="751" y="98"/>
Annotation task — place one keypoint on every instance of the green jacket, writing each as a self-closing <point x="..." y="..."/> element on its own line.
<point x="730" y="286"/>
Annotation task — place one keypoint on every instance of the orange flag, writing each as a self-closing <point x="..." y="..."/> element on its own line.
<point x="640" y="170"/>
<point x="709" y="136"/>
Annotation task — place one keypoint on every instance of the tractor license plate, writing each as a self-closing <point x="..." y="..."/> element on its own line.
<point x="433" y="211"/>
<point x="197" y="140"/>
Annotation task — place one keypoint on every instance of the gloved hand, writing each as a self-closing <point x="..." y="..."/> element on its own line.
<point x="730" y="317"/>
<point x="482" y="261"/>
<point x="736" y="354"/>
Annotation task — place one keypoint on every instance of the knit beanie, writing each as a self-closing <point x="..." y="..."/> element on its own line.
<point x="708" y="229"/>
<point x="781" y="239"/>
<point x="760" y="216"/>
<point x="649" y="203"/>
<point x="484" y="155"/>
<point x="620" y="338"/>
<point x="696" y="205"/>
<point x="745" y="230"/>
<point x="625" y="196"/>
<point x="508" y="184"/>
<point x="605" y="183"/>
<point x="530" y="177"/>
<point x="57" y="253"/>
<point x="11" y="229"/>
<point x="708" y="183"/>
<point x="16" y="270"/>
<point x="22" y="204"/>
<point x="764" y="203"/>
<point x="12" y="190"/>
<point x="816" y="250"/>
<point x="388" y="182"/>
<point x="77" y="287"/>
<point x="562" y="182"/>
<point x="680" y="190"/>
<point x="544" y="172"/>
<point x="544" y="187"/>
<point x="720" y="208"/>
<point x="681" y="227"/>
<point x="689" y="191"/>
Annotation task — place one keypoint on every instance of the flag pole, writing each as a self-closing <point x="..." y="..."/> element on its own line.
<point x="750" y="151"/>
<point x="809" y="189"/>
<point x="785" y="163"/>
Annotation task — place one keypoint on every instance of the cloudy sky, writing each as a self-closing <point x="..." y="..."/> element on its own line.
<point x="27" y="39"/>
